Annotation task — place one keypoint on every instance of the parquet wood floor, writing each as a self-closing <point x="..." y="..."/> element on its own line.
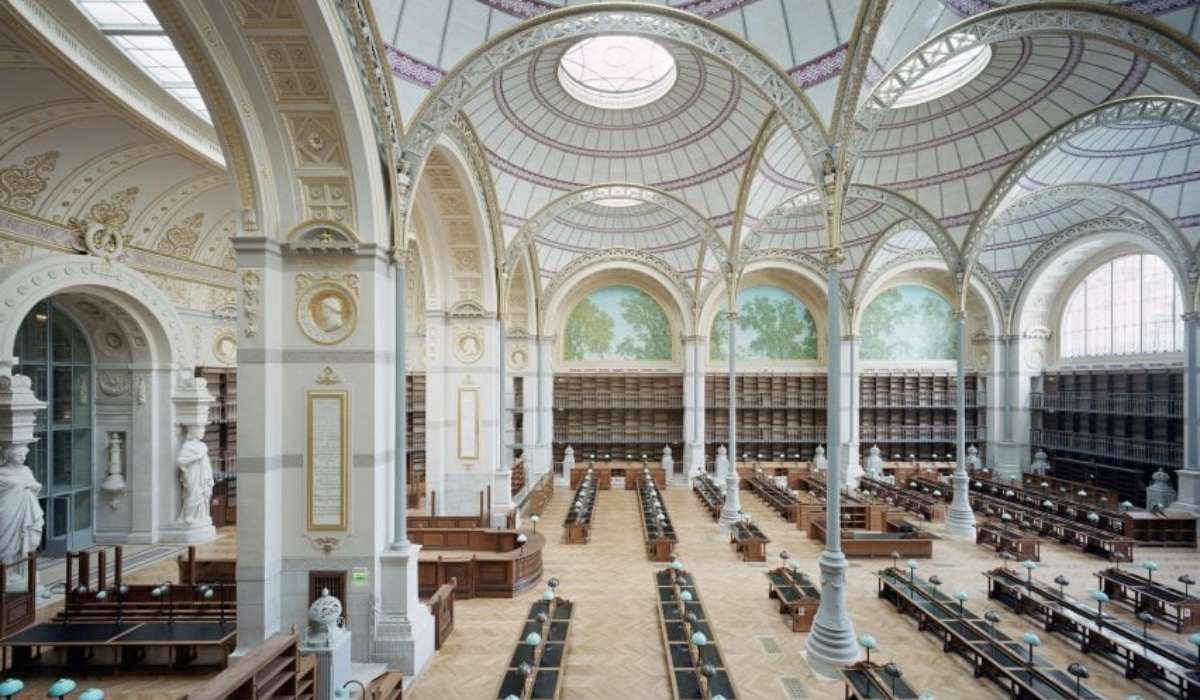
<point x="615" y="650"/>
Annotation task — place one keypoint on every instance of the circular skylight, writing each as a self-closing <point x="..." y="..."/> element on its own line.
<point x="616" y="72"/>
<point x="617" y="202"/>
<point x="946" y="77"/>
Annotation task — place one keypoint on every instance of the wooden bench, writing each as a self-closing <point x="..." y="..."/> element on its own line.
<point x="193" y="570"/>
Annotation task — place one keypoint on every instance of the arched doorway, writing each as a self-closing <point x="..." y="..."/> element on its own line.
<point x="54" y="353"/>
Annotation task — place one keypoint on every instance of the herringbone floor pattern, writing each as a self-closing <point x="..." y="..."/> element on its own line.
<point x="615" y="650"/>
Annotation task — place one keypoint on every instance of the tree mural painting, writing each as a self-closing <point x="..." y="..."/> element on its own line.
<point x="773" y="324"/>
<point x="618" y="323"/>
<point x="909" y="322"/>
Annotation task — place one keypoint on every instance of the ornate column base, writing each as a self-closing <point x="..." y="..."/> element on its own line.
<point x="832" y="643"/>
<point x="730" y="512"/>
<point x="402" y="628"/>
<point x="1189" y="491"/>
<point x="960" y="518"/>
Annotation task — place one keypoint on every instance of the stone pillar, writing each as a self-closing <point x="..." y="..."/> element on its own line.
<point x="1004" y="456"/>
<point x="191" y="472"/>
<point x="831" y="644"/>
<point x="960" y="518"/>
<point x="400" y="391"/>
<point x="544" y="419"/>
<point x="849" y="411"/>
<point x="1189" y="476"/>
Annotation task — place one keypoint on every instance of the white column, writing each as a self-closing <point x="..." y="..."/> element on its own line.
<point x="1189" y="476"/>
<point x="693" y="402"/>
<point x="544" y="386"/>
<point x="960" y="519"/>
<point x="400" y="392"/>
<point x="850" y="411"/>
<point x="1004" y="456"/>
<point x="831" y="644"/>
<point x="731" y="509"/>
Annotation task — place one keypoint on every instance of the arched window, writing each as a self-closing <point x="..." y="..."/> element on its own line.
<point x="1127" y="306"/>
<point x="55" y="355"/>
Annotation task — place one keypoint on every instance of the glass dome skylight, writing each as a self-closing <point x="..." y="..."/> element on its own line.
<point x="945" y="78"/>
<point x="616" y="72"/>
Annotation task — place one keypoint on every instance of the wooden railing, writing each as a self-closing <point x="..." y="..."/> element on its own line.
<point x="273" y="669"/>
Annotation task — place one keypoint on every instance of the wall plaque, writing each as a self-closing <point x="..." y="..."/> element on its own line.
<point x="328" y="459"/>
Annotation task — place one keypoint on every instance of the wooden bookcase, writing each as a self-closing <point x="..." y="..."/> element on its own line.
<point x="618" y="416"/>
<point x="1167" y="529"/>
<point x="914" y="414"/>
<point x="780" y="417"/>
<point x="220" y="435"/>
<point x="273" y="669"/>
<point x="1109" y="428"/>
<point x="415" y="434"/>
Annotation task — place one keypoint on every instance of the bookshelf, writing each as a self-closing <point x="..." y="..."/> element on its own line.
<point x="780" y="417"/>
<point x="220" y="436"/>
<point x="618" y="416"/>
<point x="415" y="436"/>
<point x="1109" y="428"/>
<point x="914" y="414"/>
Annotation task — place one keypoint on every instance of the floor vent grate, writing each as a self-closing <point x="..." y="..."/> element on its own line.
<point x="795" y="690"/>
<point x="770" y="645"/>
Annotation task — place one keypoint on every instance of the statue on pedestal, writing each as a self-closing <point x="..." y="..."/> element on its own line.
<point x="668" y="462"/>
<point x="1040" y="464"/>
<point x="874" y="463"/>
<point x="973" y="461"/>
<point x="568" y="460"/>
<point x="722" y="463"/>
<point x="196" y="478"/>
<point x="23" y="520"/>
<point x="820" y="462"/>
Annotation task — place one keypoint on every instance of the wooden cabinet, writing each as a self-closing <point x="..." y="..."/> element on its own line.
<point x="621" y="417"/>
<point x="1168" y="529"/>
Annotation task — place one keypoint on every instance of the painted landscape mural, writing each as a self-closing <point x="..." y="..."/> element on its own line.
<point x="618" y="323"/>
<point x="773" y="324"/>
<point x="909" y="322"/>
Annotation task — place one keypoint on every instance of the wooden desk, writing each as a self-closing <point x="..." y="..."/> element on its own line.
<point x="536" y="671"/>
<point x="868" y="680"/>
<point x="798" y="597"/>
<point x="1002" y="540"/>
<point x="1170" y="605"/>
<point x="687" y="662"/>
<point x="630" y="472"/>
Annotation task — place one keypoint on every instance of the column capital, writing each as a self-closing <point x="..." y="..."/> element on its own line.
<point x="1191" y="317"/>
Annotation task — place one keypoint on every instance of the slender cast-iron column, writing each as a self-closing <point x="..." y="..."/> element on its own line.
<point x="1189" y="476"/>
<point x="960" y="519"/>
<point x="400" y="481"/>
<point x="731" y="510"/>
<point x="831" y="644"/>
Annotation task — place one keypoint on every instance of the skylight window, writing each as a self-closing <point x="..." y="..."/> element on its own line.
<point x="617" y="202"/>
<point x="133" y="28"/>
<point x="946" y="77"/>
<point x="616" y="72"/>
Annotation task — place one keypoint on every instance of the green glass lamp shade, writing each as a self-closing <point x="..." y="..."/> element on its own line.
<point x="60" y="687"/>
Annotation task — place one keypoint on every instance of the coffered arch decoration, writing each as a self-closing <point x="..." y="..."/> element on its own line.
<point x="473" y="75"/>
<point x="159" y="327"/>
<point x="464" y="244"/>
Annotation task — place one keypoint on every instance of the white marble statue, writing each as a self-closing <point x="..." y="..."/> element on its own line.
<point x="973" y="461"/>
<point x="22" y="520"/>
<point x="722" y="463"/>
<point x="820" y="463"/>
<point x="668" y="462"/>
<point x="1040" y="464"/>
<point x="568" y="460"/>
<point x="196" y="478"/>
<point x="874" y="463"/>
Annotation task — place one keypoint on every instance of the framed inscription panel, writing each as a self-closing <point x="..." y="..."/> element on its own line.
<point x="328" y="459"/>
<point x="468" y="422"/>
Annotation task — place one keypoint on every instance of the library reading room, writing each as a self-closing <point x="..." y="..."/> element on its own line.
<point x="610" y="349"/>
